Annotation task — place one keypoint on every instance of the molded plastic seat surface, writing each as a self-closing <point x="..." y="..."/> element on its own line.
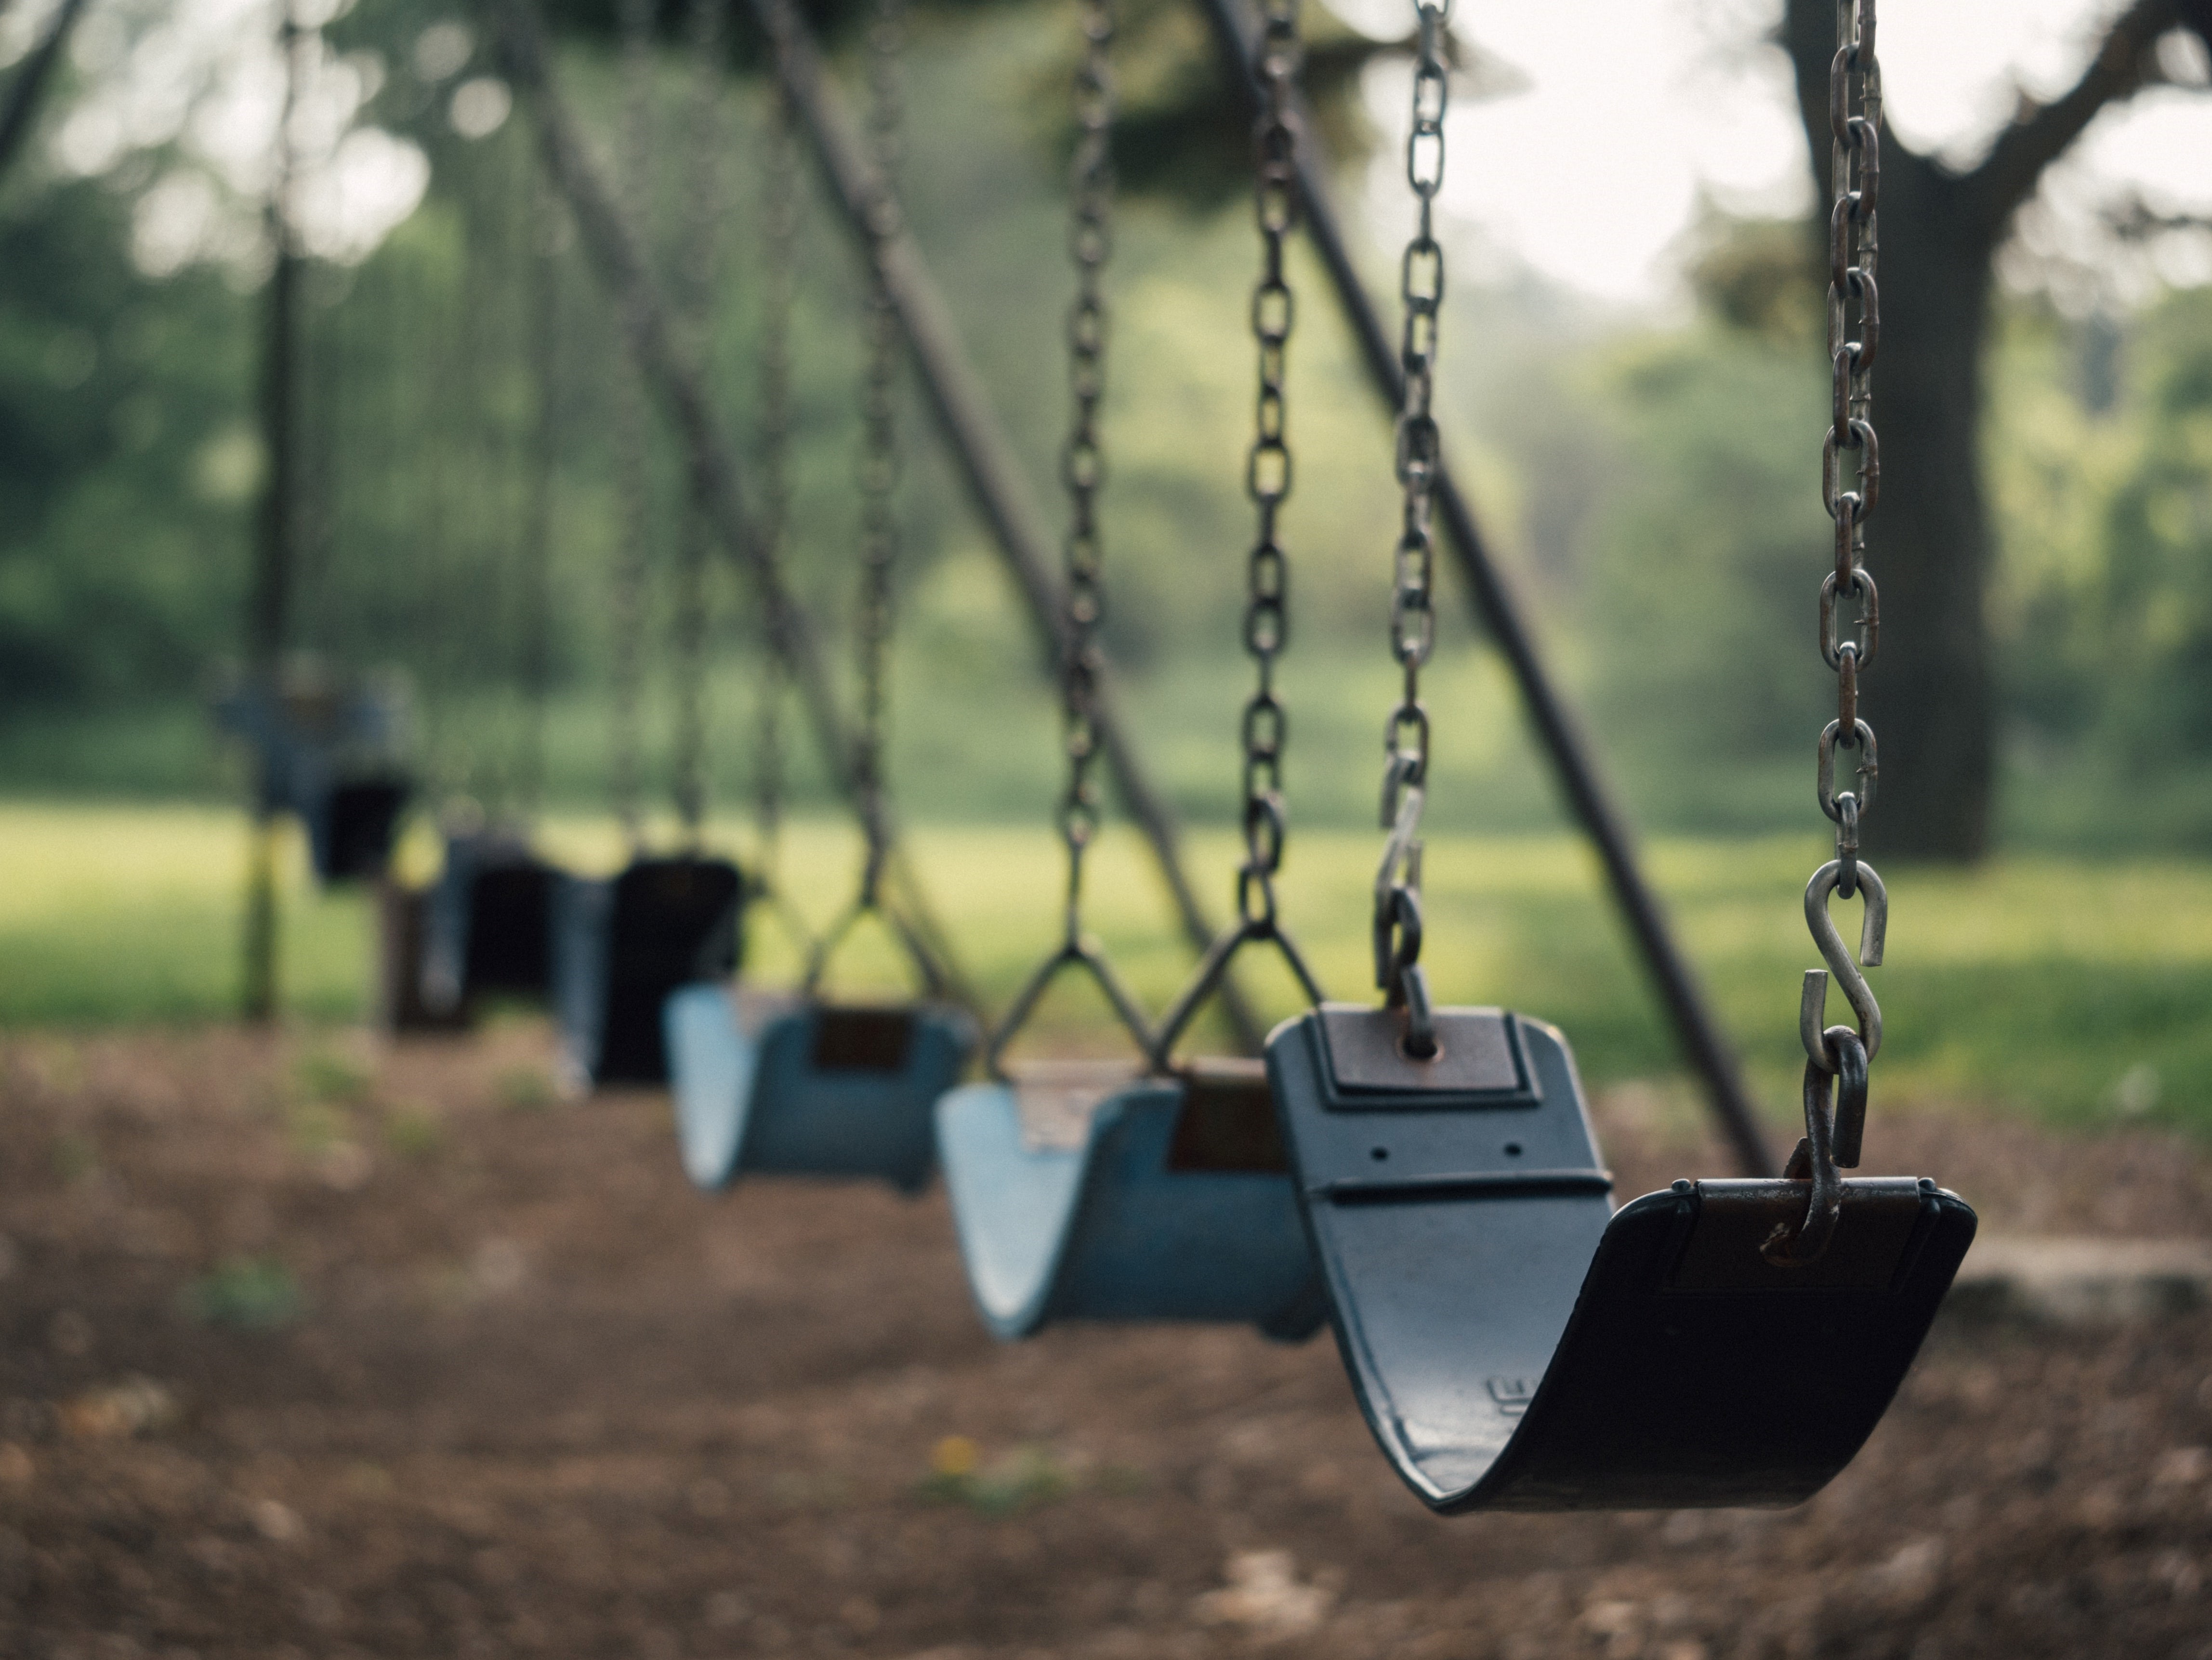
<point x="1514" y="1347"/>
<point x="351" y="827"/>
<point x="1176" y="1205"/>
<point x="620" y="947"/>
<point x="713" y="1035"/>
<point x="490" y="927"/>
<point x="844" y="1089"/>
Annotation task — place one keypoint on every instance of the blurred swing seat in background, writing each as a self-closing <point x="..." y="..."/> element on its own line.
<point x="621" y="944"/>
<point x="770" y="1085"/>
<point x="488" y="924"/>
<point x="327" y="753"/>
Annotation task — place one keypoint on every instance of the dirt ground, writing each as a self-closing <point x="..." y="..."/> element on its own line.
<point x="311" y="1347"/>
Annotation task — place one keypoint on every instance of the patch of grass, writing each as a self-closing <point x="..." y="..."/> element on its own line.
<point x="1121" y="1481"/>
<point x="525" y="1089"/>
<point x="316" y="1127"/>
<point x="2074" y="988"/>
<point x="75" y="1155"/>
<point x="324" y="1076"/>
<point x="246" y="1294"/>
<point x="959" y="1475"/>
<point x="116" y="915"/>
<point x="414" y="1132"/>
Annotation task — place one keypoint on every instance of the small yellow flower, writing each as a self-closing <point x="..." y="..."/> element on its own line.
<point x="955" y="1456"/>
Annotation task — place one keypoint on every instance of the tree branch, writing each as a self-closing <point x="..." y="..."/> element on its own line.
<point x="2009" y="175"/>
<point x="30" y="81"/>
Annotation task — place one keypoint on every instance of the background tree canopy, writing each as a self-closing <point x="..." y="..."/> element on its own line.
<point x="1651" y="475"/>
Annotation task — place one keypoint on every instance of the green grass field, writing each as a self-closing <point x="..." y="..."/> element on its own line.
<point x="2080" y="991"/>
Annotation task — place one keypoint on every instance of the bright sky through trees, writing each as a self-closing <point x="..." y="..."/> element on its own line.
<point x="1626" y="109"/>
<point x="1585" y="158"/>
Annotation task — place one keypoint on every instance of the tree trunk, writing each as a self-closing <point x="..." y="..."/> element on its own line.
<point x="1927" y="693"/>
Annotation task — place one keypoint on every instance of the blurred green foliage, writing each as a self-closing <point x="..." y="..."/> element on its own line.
<point x="124" y="462"/>
<point x="1650" y="482"/>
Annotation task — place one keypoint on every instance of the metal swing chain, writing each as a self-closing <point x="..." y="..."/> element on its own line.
<point x="1854" y="118"/>
<point x="636" y="19"/>
<point x="880" y="463"/>
<point x="697" y="288"/>
<point x="1081" y="461"/>
<point x="1842" y="1052"/>
<point x="1083" y="473"/>
<point x="1265" y="727"/>
<point x="545" y="335"/>
<point x="1397" y="922"/>
<point x="780" y="219"/>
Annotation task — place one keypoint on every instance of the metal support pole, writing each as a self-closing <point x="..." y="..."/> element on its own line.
<point x="674" y="378"/>
<point x="987" y="461"/>
<point x="1499" y="610"/>
<point x="275" y="551"/>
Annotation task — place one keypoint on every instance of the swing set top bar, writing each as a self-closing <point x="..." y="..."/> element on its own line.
<point x="1499" y="610"/>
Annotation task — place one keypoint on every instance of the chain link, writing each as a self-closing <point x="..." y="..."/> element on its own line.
<point x="879" y="461"/>
<point x="697" y="292"/>
<point x="1851" y="487"/>
<point x="780" y="228"/>
<point x="1264" y="730"/>
<point x="1421" y="287"/>
<point x="1854" y="336"/>
<point x="1083" y="474"/>
<point x="1264" y="725"/>
<point x="1082" y="462"/>
<point x="546" y="361"/>
<point x="636" y="19"/>
<point x="1397" y="922"/>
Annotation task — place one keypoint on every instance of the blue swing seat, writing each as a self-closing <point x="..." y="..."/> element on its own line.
<point x="768" y="1086"/>
<point x="487" y="923"/>
<point x="1175" y="1204"/>
<point x="327" y="753"/>
<point x="621" y="946"/>
<point x="1516" y="1343"/>
<point x="352" y="826"/>
<point x="712" y="1032"/>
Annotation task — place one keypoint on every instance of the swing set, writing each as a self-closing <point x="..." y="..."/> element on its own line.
<point x="1422" y="1178"/>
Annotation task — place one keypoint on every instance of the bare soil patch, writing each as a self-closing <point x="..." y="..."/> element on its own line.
<point x="310" y="1346"/>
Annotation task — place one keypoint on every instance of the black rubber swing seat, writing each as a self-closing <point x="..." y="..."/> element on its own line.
<point x="621" y="946"/>
<point x="1516" y="1344"/>
<point x="352" y="824"/>
<point x="489" y="927"/>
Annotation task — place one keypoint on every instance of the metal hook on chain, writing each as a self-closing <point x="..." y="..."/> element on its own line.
<point x="1811" y="1013"/>
<point x="1397" y="924"/>
<point x="1831" y="1144"/>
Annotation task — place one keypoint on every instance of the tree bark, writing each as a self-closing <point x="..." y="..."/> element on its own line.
<point x="1928" y="692"/>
